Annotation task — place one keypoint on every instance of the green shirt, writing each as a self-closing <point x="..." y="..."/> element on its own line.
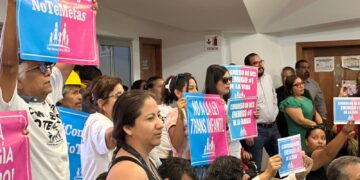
<point x="307" y="109"/>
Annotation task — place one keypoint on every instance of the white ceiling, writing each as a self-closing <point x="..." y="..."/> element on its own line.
<point x="243" y="16"/>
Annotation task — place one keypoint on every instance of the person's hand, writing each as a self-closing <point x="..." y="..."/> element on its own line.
<point x="25" y="131"/>
<point x="274" y="164"/>
<point x="343" y="90"/>
<point x="308" y="163"/>
<point x="246" y="156"/>
<point x="181" y="103"/>
<point x="349" y="127"/>
<point x="95" y="5"/>
<point x="249" y="141"/>
<point x="257" y="113"/>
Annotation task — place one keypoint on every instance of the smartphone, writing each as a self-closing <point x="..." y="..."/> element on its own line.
<point x="351" y="89"/>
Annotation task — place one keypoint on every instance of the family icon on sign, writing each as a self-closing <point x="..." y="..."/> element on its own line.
<point x="209" y="148"/>
<point x="59" y="40"/>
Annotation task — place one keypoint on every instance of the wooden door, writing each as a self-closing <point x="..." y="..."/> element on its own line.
<point x="150" y="58"/>
<point x="330" y="82"/>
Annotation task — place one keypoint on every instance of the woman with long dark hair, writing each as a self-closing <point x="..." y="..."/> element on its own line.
<point x="218" y="82"/>
<point x="137" y="130"/>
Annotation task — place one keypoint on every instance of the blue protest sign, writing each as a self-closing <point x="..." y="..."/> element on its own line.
<point x="206" y="125"/>
<point x="242" y="124"/>
<point x="346" y="109"/>
<point x="73" y="122"/>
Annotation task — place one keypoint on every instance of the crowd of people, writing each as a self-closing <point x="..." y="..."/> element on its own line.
<point x="141" y="133"/>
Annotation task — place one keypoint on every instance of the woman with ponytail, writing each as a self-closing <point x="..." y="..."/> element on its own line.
<point x="175" y="120"/>
<point x="98" y="145"/>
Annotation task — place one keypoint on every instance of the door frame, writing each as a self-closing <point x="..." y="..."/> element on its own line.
<point x="158" y="52"/>
<point x="300" y="46"/>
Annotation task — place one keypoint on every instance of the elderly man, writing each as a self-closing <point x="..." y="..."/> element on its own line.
<point x="35" y="87"/>
<point x="72" y="97"/>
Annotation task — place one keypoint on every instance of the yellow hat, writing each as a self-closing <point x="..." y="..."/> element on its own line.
<point x="74" y="79"/>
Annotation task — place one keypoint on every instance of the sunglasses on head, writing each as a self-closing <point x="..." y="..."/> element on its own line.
<point x="225" y="80"/>
<point x="319" y="126"/>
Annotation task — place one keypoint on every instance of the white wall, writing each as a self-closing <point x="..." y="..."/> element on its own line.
<point x="3" y="4"/>
<point x="185" y="52"/>
<point x="279" y="52"/>
<point x="182" y="51"/>
<point x="264" y="45"/>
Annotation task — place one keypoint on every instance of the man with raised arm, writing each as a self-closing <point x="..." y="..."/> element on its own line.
<point x="35" y="87"/>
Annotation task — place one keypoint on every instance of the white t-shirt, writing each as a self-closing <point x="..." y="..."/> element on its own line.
<point x="163" y="150"/>
<point x="48" y="146"/>
<point x="95" y="156"/>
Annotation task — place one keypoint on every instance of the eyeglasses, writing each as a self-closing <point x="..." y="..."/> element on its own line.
<point x="258" y="63"/>
<point x="42" y="67"/>
<point x="299" y="84"/>
<point x="225" y="80"/>
<point x="116" y="95"/>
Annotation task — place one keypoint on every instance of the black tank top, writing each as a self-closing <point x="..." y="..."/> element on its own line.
<point x="128" y="158"/>
<point x="141" y="162"/>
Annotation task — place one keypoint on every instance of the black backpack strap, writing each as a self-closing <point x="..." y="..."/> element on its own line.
<point x="128" y="158"/>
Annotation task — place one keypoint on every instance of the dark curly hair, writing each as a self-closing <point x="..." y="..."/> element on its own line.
<point x="174" y="168"/>
<point x="225" y="167"/>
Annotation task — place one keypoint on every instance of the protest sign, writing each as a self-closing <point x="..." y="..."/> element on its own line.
<point x="244" y="81"/>
<point x="346" y="109"/>
<point x="291" y="155"/>
<point x="242" y="124"/>
<point x="206" y="123"/>
<point x="73" y="122"/>
<point x="57" y="31"/>
<point x="14" y="146"/>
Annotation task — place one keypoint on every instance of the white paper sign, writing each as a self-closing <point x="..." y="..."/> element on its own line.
<point x="351" y="62"/>
<point x="324" y="64"/>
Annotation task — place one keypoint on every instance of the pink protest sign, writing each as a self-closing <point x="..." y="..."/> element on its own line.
<point x="15" y="149"/>
<point x="244" y="81"/>
<point x="57" y="31"/>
